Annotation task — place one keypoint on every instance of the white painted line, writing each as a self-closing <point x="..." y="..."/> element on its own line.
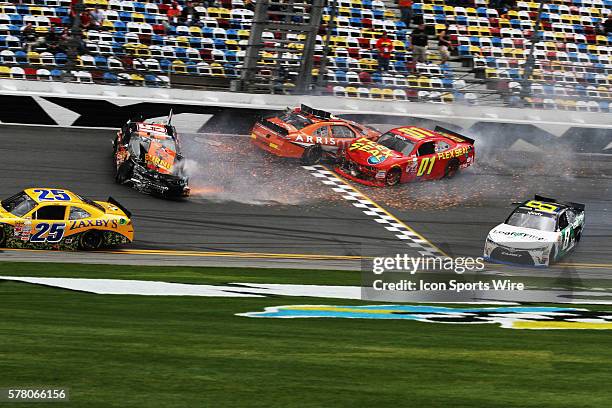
<point x="375" y="211"/>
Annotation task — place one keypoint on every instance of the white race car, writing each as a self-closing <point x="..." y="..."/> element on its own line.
<point x="538" y="232"/>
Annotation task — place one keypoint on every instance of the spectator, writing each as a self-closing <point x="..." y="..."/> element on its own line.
<point x="405" y="7"/>
<point x="384" y="46"/>
<point x="249" y="5"/>
<point x="189" y="14"/>
<point x="444" y="45"/>
<point x="606" y="26"/>
<point x="29" y="38"/>
<point x="173" y="13"/>
<point x="86" y="20"/>
<point x="418" y="44"/>
<point x="365" y="78"/>
<point x="97" y="17"/>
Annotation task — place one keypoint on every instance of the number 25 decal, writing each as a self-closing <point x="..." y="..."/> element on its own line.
<point x="55" y="232"/>
<point x="426" y="165"/>
<point x="52" y="195"/>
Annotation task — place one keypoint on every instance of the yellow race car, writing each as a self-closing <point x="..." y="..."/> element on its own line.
<point x="48" y="218"/>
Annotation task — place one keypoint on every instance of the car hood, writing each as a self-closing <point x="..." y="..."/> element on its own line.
<point x="371" y="154"/>
<point x="522" y="238"/>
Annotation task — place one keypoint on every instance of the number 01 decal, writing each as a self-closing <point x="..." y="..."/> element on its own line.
<point x="426" y="165"/>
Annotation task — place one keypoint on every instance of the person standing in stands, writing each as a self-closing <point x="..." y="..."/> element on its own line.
<point x="384" y="46"/>
<point x="173" y="13"/>
<point x="418" y="44"/>
<point x="405" y="7"/>
<point x="444" y="45"/>
<point x="98" y="16"/>
<point x="189" y="14"/>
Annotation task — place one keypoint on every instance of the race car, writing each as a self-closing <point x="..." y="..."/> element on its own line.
<point x="307" y="134"/>
<point x="52" y="218"/>
<point x="147" y="157"/>
<point x="406" y="154"/>
<point x="538" y="232"/>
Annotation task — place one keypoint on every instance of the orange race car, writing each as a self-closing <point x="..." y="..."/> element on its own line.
<point x="307" y="134"/>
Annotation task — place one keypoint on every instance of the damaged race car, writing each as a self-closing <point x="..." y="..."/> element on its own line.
<point x="538" y="232"/>
<point x="147" y="157"/>
<point x="50" y="218"/>
<point x="406" y="154"/>
<point x="307" y="134"/>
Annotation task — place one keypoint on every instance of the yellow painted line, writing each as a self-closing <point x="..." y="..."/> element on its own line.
<point x="386" y="212"/>
<point x="561" y="325"/>
<point x="232" y="254"/>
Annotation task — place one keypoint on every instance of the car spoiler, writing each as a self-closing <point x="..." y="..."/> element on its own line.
<point x="321" y="114"/>
<point x="450" y="132"/>
<point x="273" y="126"/>
<point x="576" y="206"/>
<point x="118" y="205"/>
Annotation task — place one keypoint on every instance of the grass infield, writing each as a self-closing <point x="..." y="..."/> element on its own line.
<point x="127" y="351"/>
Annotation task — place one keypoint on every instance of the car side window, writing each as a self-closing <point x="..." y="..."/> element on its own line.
<point x="342" y="132"/>
<point x="442" y="146"/>
<point x="321" y="131"/>
<point x="571" y="217"/>
<point x="563" y="221"/>
<point x="426" y="148"/>
<point x="77" y="213"/>
<point x="50" y="212"/>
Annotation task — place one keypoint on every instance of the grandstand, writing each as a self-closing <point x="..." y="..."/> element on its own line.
<point x="162" y="43"/>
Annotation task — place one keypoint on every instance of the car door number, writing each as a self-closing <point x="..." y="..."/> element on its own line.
<point x="55" y="232"/>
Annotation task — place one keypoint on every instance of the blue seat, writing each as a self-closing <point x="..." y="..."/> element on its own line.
<point x="461" y="20"/>
<point x="181" y="53"/>
<point x="377" y="78"/>
<point x="119" y="37"/>
<point x="378" y="14"/>
<point x="342" y="63"/>
<point x="219" y="44"/>
<point x="400" y="66"/>
<point x="496" y="42"/>
<point x="22" y="9"/>
<point x="62" y="11"/>
<point x="447" y="83"/>
<point x="340" y="76"/>
<point x="157" y="39"/>
<point x="232" y="34"/>
<point x="151" y="80"/>
<point x="195" y="42"/>
<point x="482" y="12"/>
<point x="101" y="61"/>
<point x="21" y="57"/>
<point x="61" y="59"/>
<point x="150" y="18"/>
<point x="139" y="7"/>
<point x="604" y="106"/>
<point x="207" y="32"/>
<point x="125" y="16"/>
<point x="56" y="74"/>
<point x="110" y="78"/>
<point x="356" y="13"/>
<point x="16" y="19"/>
<point x="120" y="26"/>
<point x="165" y="65"/>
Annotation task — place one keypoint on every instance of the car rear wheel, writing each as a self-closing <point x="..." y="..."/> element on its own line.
<point x="393" y="177"/>
<point x="312" y="155"/>
<point x="451" y="168"/>
<point x="91" y="240"/>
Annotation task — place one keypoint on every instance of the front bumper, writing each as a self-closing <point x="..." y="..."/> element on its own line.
<point x="367" y="175"/>
<point x="525" y="257"/>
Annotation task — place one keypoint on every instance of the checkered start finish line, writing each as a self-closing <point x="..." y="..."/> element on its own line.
<point x="368" y="207"/>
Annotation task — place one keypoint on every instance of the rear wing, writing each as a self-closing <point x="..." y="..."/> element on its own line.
<point x="440" y="129"/>
<point x="321" y="114"/>
<point x="118" y="205"/>
<point x="273" y="126"/>
<point x="575" y="206"/>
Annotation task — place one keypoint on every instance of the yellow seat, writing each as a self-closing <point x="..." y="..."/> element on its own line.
<point x="376" y="93"/>
<point x="217" y="70"/>
<point x="5" y="72"/>
<point x="351" y="91"/>
<point x="387" y="94"/>
<point x="34" y="58"/>
<point x="424" y="82"/>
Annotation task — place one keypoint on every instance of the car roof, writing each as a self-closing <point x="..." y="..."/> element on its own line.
<point x="415" y="134"/>
<point x="35" y="193"/>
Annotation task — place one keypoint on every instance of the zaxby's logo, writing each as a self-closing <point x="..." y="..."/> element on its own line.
<point x="516" y="317"/>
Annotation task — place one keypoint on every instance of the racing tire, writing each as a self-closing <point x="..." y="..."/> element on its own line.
<point x="312" y="155"/>
<point x="91" y="240"/>
<point x="451" y="168"/>
<point x="393" y="177"/>
<point x="124" y="172"/>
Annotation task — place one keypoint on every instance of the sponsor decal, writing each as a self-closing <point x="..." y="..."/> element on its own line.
<point x="449" y="154"/>
<point x="77" y="224"/>
<point x="517" y="234"/>
<point x="378" y="153"/>
<point x="160" y="157"/>
<point x="515" y="317"/>
<point x="328" y="141"/>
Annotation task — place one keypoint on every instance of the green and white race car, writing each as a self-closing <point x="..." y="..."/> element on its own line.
<point x="538" y="232"/>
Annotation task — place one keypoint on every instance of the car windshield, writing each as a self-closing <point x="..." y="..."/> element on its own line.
<point x="397" y="143"/>
<point x="92" y="203"/>
<point x="533" y="220"/>
<point x="19" y="204"/>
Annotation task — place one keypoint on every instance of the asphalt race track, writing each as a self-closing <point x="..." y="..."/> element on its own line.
<point x="246" y="201"/>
